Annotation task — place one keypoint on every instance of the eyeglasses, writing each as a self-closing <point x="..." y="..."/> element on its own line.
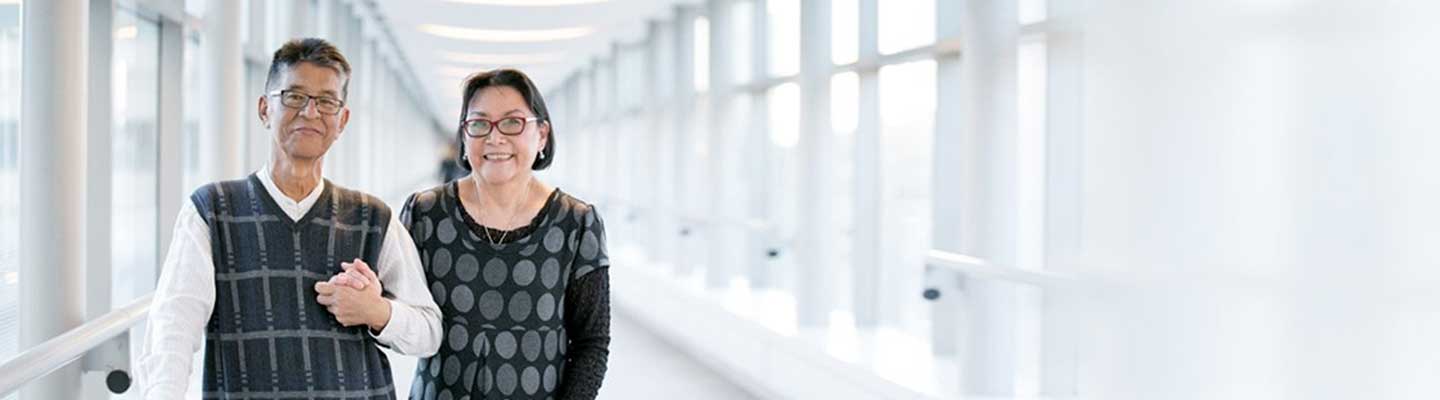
<point x="480" y="127"/>
<point x="296" y="100"/>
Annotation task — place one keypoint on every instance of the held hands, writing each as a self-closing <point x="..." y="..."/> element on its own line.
<point x="353" y="296"/>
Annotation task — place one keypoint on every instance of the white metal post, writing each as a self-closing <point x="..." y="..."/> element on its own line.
<point x="949" y="162"/>
<point x="987" y="104"/>
<point x="813" y="294"/>
<point x="720" y="260"/>
<point x="98" y="256"/>
<point x="758" y="163"/>
<point x="683" y="111"/>
<point x="866" y="244"/>
<point x="52" y="180"/>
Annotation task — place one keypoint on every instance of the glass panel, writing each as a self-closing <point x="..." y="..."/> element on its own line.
<point x="9" y="179"/>
<point x="702" y="54"/>
<point x="742" y="17"/>
<point x="1032" y="11"/>
<point x="906" y="24"/>
<point x="844" y="109"/>
<point x="907" y="114"/>
<point x="844" y="31"/>
<point x="784" y="129"/>
<point x="192" y="144"/>
<point x="135" y="152"/>
<point x="784" y="17"/>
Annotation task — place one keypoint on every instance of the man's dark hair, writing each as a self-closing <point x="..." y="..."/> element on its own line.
<point x="521" y="83"/>
<point x="311" y="50"/>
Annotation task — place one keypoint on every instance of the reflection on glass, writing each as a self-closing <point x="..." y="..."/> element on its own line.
<point x="906" y="24"/>
<point x="907" y="115"/>
<point x="9" y="178"/>
<point x="135" y="90"/>
<point x="702" y="54"/>
<point x="741" y="17"/>
<point x="784" y="17"/>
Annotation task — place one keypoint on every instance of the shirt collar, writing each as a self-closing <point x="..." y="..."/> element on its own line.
<point x="293" y="208"/>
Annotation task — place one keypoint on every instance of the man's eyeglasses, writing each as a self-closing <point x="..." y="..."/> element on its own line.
<point x="480" y="127"/>
<point x="296" y="100"/>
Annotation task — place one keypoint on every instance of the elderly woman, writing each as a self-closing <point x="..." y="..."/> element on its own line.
<point x="518" y="267"/>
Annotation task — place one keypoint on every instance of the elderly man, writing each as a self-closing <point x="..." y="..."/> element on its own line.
<point x="249" y="266"/>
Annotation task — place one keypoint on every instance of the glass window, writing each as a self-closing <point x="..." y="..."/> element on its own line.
<point x="784" y="17"/>
<point x="135" y="152"/>
<point x="844" y="109"/>
<point x="784" y="128"/>
<point x="844" y="31"/>
<point x="192" y="144"/>
<point x="907" y="115"/>
<point x="9" y="179"/>
<point x="1032" y="11"/>
<point x="906" y="24"/>
<point x="742" y="18"/>
<point x="702" y="54"/>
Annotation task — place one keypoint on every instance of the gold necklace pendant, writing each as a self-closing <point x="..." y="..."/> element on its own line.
<point x="523" y="195"/>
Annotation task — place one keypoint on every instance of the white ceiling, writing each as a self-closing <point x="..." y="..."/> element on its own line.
<point x="441" y="63"/>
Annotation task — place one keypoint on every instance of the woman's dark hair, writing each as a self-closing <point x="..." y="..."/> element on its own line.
<point x="521" y="83"/>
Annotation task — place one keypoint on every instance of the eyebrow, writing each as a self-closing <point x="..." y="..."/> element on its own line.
<point x="482" y="113"/>
<point x="326" y="92"/>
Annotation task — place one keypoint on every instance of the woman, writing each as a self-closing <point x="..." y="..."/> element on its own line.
<point x="518" y="267"/>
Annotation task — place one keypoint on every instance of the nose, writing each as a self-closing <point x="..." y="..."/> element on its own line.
<point x="311" y="109"/>
<point x="494" y="137"/>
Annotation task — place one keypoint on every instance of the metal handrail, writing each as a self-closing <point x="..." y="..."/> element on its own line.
<point x="62" y="350"/>
<point x="976" y="267"/>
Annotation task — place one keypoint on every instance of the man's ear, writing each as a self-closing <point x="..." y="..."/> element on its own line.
<point x="263" y="111"/>
<point x="344" y="120"/>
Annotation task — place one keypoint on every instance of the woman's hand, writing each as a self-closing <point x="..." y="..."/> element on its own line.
<point x="354" y="297"/>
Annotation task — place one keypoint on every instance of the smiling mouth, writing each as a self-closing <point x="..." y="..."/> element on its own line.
<point x="499" y="157"/>
<point x="310" y="131"/>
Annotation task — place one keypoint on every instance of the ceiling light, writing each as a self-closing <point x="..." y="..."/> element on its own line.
<point x="508" y="59"/>
<point x="505" y="36"/>
<point x="529" y="3"/>
<point x="126" y="32"/>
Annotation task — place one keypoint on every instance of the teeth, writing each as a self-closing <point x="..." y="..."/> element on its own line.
<point x="497" y="157"/>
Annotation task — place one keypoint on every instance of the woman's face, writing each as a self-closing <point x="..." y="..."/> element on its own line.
<point x="498" y="158"/>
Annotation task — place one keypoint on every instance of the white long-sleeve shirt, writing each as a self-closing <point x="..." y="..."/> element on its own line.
<point x="185" y="297"/>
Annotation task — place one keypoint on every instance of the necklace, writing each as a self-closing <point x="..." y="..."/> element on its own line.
<point x="511" y="220"/>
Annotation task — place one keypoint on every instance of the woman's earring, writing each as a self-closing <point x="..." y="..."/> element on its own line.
<point x="541" y="155"/>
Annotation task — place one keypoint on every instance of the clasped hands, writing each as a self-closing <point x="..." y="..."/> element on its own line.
<point x="354" y="297"/>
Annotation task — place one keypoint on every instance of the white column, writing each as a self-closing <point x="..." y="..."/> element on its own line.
<point x="757" y="153"/>
<point x="866" y="243"/>
<point x="990" y="349"/>
<point x="720" y="232"/>
<point x="683" y="155"/>
<point x="261" y="44"/>
<point x="817" y="233"/>
<point x="947" y="184"/>
<point x="228" y="101"/>
<point x="652" y="109"/>
<point x="52" y="181"/>
<point x="98" y="256"/>
<point x="98" y="162"/>
<point x="170" y="164"/>
<point x="1064" y="143"/>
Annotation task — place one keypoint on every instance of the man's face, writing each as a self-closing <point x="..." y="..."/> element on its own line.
<point x="307" y="131"/>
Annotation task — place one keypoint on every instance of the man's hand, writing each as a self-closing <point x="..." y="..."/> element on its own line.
<point x="354" y="297"/>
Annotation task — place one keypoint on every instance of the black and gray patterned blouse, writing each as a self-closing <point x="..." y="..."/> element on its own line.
<point x="528" y="318"/>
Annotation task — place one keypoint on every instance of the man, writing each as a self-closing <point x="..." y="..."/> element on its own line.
<point x="247" y="270"/>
